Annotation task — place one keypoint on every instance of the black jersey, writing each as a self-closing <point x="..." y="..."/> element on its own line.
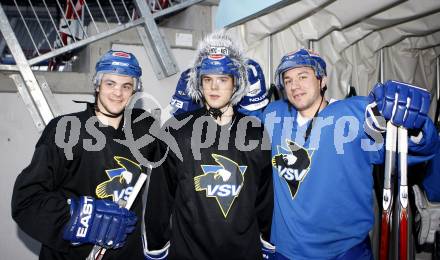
<point x="219" y="196"/>
<point x="93" y="164"/>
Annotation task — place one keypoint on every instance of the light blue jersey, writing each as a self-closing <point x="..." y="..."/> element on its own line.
<point x="324" y="185"/>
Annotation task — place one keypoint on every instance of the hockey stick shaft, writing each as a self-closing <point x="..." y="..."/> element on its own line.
<point x="98" y="252"/>
<point x="387" y="196"/>
<point x="403" y="193"/>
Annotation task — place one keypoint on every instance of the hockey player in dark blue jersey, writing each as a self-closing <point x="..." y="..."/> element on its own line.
<point x="323" y="154"/>
<point x="217" y="190"/>
<point x="67" y="197"/>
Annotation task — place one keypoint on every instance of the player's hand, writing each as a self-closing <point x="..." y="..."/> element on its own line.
<point x="99" y="222"/>
<point x="180" y="101"/>
<point x="257" y="96"/>
<point x="404" y="104"/>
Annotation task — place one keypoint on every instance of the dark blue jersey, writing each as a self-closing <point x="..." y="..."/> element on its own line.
<point x="93" y="164"/>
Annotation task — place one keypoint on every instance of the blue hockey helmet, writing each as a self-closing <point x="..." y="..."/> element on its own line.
<point x="218" y="65"/>
<point x="297" y="59"/>
<point x="118" y="63"/>
<point x="218" y="54"/>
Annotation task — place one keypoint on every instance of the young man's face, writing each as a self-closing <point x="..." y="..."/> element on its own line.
<point x="303" y="89"/>
<point x="114" y="93"/>
<point x="217" y="90"/>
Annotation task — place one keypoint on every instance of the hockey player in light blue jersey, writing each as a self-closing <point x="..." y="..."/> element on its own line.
<point x="323" y="155"/>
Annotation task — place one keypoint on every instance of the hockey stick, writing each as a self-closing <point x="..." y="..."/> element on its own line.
<point x="403" y="193"/>
<point x="387" y="196"/>
<point x="98" y="252"/>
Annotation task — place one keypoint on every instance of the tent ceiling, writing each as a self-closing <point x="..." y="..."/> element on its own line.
<point x="355" y="20"/>
<point x="350" y="34"/>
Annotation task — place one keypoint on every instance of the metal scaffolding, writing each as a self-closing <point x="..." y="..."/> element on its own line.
<point x="49" y="29"/>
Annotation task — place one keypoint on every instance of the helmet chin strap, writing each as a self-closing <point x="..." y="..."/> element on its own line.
<point x="312" y="122"/>
<point x="217" y="112"/>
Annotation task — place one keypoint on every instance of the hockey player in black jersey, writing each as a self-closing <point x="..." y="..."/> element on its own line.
<point x="66" y="198"/>
<point x="212" y="199"/>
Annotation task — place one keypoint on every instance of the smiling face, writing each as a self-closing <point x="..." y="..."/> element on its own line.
<point x="114" y="92"/>
<point x="217" y="90"/>
<point x="303" y="90"/>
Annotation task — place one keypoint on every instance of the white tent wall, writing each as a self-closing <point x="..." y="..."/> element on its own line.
<point x="349" y="35"/>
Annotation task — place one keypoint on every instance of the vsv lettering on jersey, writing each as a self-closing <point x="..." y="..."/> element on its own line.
<point x="223" y="190"/>
<point x="121" y="180"/>
<point x="292" y="164"/>
<point x="222" y="181"/>
<point x="291" y="174"/>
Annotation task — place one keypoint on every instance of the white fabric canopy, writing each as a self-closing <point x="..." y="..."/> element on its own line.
<point x="349" y="34"/>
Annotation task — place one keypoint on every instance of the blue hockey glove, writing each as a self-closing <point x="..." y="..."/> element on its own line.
<point x="257" y="97"/>
<point x="267" y="249"/>
<point x="99" y="222"/>
<point x="180" y="101"/>
<point x="404" y="104"/>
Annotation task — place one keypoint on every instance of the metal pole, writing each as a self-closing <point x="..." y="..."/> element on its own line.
<point x="126" y="10"/>
<point x="67" y="23"/>
<point x="39" y="23"/>
<point x="437" y="111"/>
<point x="53" y="23"/>
<point x="154" y="43"/>
<point x="114" y="11"/>
<point x="381" y="66"/>
<point x="24" y="68"/>
<point x="25" y="26"/>
<point x="103" y="14"/>
<point x="270" y="59"/>
<point x="79" y="19"/>
<point x="91" y="16"/>
<point x="438" y="77"/>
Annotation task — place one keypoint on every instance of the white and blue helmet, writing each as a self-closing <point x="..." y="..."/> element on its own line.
<point x="300" y="58"/>
<point x="118" y="63"/>
<point x="218" y="54"/>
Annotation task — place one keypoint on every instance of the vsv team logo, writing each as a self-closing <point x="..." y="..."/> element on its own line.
<point x="121" y="180"/>
<point x="222" y="182"/>
<point x="292" y="165"/>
